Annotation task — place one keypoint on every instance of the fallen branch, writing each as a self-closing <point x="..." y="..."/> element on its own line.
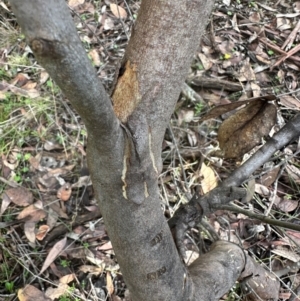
<point x="291" y="38"/>
<point x="260" y="217"/>
<point x="216" y="83"/>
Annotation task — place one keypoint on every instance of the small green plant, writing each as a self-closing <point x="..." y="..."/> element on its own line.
<point x="9" y="286"/>
<point x="65" y="263"/>
<point x="270" y="52"/>
<point x="52" y="86"/>
<point x="68" y="295"/>
<point x="23" y="166"/>
<point x="86" y="245"/>
<point x="199" y="66"/>
<point x="198" y="108"/>
<point x="60" y="139"/>
<point x="3" y="74"/>
<point x="8" y="216"/>
<point x="6" y="272"/>
<point x="19" y="60"/>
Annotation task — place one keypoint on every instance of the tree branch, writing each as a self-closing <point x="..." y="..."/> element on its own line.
<point x="280" y="139"/>
<point x="164" y="39"/>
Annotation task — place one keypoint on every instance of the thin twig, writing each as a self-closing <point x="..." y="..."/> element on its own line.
<point x="260" y="217"/>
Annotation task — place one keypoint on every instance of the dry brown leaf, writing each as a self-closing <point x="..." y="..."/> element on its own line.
<point x="262" y="190"/>
<point x="35" y="161"/>
<point x="95" y="57"/>
<point x="55" y="251"/>
<point x="286" y="252"/>
<point x="269" y="178"/>
<point x="255" y="88"/>
<point x="206" y="62"/>
<point x="32" y="214"/>
<point x="296" y="6"/>
<point x="64" y="192"/>
<point x="5" y="203"/>
<point x="293" y="172"/>
<point x="30" y="293"/>
<point x="245" y="129"/>
<point x="287" y="205"/>
<point x="29" y="230"/>
<point x="191" y="256"/>
<point x="91" y="269"/>
<point x="108" y="24"/>
<point x="51" y="218"/>
<point x="82" y="181"/>
<point x="222" y="109"/>
<point x="55" y="293"/>
<point x="33" y="93"/>
<point x="61" y="171"/>
<point x="29" y="85"/>
<point x="283" y="23"/>
<point x="74" y="3"/>
<point x="20" y="79"/>
<point x="4" y="6"/>
<point x="209" y="180"/>
<point x="42" y="231"/>
<point x="109" y="283"/>
<point x="246" y="72"/>
<point x="50" y="145"/>
<point x="91" y="208"/>
<point x="44" y="77"/>
<point x="87" y="7"/>
<point x="250" y="191"/>
<point x="290" y="102"/>
<point x="118" y="11"/>
<point x="3" y="95"/>
<point x="185" y="115"/>
<point x="57" y="208"/>
<point x="20" y="196"/>
<point x="105" y="247"/>
<point x="67" y="278"/>
<point x="93" y="259"/>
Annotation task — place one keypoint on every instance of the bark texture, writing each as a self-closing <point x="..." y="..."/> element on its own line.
<point x="124" y="143"/>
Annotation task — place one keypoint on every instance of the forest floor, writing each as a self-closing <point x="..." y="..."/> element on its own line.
<point x="51" y="232"/>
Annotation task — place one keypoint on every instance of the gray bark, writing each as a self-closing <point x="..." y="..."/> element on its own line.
<point x="125" y="158"/>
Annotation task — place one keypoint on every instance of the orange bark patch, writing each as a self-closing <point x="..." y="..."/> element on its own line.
<point x="126" y="96"/>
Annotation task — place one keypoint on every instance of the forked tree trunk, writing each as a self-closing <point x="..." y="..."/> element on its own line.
<point x="125" y="138"/>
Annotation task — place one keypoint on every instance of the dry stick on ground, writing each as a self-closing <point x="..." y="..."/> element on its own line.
<point x="291" y="38"/>
<point x="260" y="217"/>
<point x="278" y="49"/>
<point x="288" y="55"/>
<point x="215" y="83"/>
<point x="190" y="93"/>
<point x="65" y="227"/>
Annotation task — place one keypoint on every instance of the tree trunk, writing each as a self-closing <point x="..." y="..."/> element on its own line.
<point x="125" y="138"/>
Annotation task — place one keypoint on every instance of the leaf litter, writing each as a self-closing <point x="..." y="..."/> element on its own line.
<point x="245" y="73"/>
